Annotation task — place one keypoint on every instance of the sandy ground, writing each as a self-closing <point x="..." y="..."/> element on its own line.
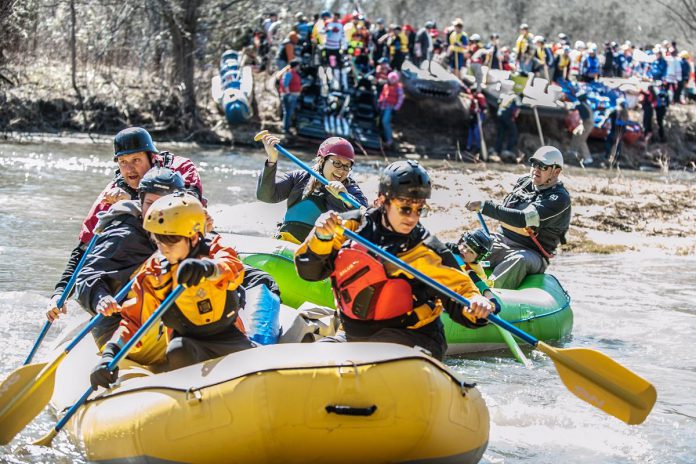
<point x="612" y="211"/>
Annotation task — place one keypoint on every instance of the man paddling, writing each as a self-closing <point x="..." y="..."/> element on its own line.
<point x="378" y="302"/>
<point x="534" y="217"/>
<point x="135" y="153"/>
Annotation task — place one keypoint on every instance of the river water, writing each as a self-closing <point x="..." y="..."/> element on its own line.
<point x="638" y="308"/>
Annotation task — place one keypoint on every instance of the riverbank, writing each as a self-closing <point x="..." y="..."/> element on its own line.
<point x="39" y="100"/>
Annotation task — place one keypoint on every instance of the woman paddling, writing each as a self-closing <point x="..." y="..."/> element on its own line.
<point x="307" y="197"/>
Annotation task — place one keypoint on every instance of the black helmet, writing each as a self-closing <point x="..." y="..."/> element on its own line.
<point x="479" y="242"/>
<point x="405" y="179"/>
<point x="162" y="181"/>
<point x="133" y="140"/>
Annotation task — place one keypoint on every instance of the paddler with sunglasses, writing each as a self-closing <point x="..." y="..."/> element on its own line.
<point x="307" y="197"/>
<point x="377" y="301"/>
<point x="534" y="217"/>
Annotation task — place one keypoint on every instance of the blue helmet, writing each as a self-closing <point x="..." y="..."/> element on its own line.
<point x="133" y="140"/>
<point x="162" y="181"/>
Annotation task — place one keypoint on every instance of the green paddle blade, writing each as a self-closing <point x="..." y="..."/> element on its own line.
<point x="24" y="394"/>
<point x="514" y="347"/>
<point x="599" y="380"/>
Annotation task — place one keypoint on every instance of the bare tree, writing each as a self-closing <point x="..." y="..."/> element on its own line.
<point x="181" y="17"/>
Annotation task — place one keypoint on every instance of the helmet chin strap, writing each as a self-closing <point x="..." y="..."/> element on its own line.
<point x="385" y="219"/>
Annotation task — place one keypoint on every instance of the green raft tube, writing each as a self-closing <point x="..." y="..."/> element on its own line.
<point x="540" y="306"/>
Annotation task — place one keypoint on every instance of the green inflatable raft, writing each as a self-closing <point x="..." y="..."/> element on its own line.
<point x="540" y="307"/>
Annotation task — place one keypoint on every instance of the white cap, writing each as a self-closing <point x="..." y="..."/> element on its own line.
<point x="549" y="156"/>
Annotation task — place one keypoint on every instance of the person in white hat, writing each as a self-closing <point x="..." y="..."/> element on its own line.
<point x="534" y="217"/>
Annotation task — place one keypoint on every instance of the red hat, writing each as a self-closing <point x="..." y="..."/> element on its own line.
<point x="336" y="146"/>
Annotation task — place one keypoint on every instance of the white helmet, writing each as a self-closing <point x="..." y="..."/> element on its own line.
<point x="475" y="38"/>
<point x="549" y="156"/>
<point x="539" y="38"/>
<point x="579" y="45"/>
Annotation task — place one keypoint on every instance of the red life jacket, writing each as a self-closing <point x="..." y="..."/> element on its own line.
<point x="295" y="84"/>
<point x="390" y="95"/>
<point x="362" y="289"/>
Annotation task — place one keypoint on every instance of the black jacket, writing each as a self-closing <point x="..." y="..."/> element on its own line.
<point x="120" y="249"/>
<point x="552" y="205"/>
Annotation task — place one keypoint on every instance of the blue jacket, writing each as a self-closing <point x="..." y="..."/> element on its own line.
<point x="590" y="66"/>
<point x="686" y="69"/>
<point x="658" y="69"/>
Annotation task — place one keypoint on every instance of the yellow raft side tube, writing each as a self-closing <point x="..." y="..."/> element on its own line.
<point x="294" y="403"/>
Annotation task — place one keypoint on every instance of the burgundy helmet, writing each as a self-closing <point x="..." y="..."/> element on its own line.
<point x="336" y="146"/>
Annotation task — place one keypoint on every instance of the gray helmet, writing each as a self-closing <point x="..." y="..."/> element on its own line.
<point x="548" y="155"/>
<point x="479" y="242"/>
<point x="405" y="179"/>
<point x="133" y="140"/>
<point x="162" y="181"/>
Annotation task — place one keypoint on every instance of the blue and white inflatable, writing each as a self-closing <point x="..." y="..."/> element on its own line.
<point x="233" y="88"/>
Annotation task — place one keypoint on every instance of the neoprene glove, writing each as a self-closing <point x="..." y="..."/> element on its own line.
<point x="101" y="376"/>
<point x="192" y="271"/>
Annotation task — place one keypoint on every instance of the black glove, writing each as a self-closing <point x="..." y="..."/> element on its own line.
<point x="452" y="306"/>
<point x="191" y="271"/>
<point x="101" y="376"/>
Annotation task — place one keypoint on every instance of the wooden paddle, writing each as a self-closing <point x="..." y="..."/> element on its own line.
<point x="149" y="322"/>
<point x="61" y="301"/>
<point x="590" y="375"/>
<point x="27" y="390"/>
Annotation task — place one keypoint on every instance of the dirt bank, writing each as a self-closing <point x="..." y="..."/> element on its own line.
<point x="42" y="100"/>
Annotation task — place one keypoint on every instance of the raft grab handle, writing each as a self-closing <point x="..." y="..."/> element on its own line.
<point x="344" y="410"/>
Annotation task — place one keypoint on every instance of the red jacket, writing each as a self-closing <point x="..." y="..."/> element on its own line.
<point x="183" y="166"/>
<point x="295" y="84"/>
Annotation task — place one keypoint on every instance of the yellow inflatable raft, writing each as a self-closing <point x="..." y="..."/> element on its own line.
<point x="289" y="403"/>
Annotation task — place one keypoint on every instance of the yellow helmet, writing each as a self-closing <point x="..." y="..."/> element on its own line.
<point x="176" y="214"/>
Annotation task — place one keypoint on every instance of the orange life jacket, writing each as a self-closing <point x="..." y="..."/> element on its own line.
<point x="362" y="289"/>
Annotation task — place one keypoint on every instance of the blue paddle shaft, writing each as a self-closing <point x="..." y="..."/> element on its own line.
<point x="483" y="223"/>
<point x="64" y="296"/>
<point x="123" y="352"/>
<point x="73" y="278"/>
<point x="39" y="339"/>
<point x="95" y="320"/>
<point x="344" y="196"/>
<point x="436" y="285"/>
<point x="149" y="322"/>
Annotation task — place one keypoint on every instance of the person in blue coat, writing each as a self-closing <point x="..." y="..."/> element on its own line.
<point x="307" y="198"/>
<point x="589" y="68"/>
<point x="658" y="68"/>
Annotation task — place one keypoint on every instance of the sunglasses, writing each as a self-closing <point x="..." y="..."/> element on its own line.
<point x="540" y="166"/>
<point x="421" y="210"/>
<point x="338" y="165"/>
